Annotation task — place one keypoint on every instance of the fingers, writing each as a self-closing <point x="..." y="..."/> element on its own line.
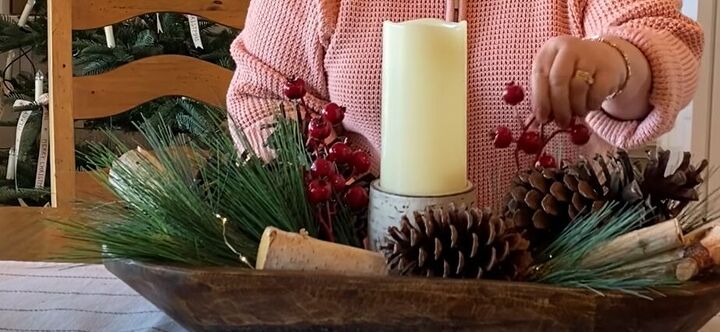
<point x="560" y="76"/>
<point x="579" y="90"/>
<point x="558" y="94"/>
<point x="541" y="100"/>
<point x="605" y="83"/>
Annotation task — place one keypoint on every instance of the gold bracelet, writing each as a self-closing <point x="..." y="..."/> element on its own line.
<point x="628" y="70"/>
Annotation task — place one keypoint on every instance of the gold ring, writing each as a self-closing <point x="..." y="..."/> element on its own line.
<point x="585" y="76"/>
<point x="613" y="95"/>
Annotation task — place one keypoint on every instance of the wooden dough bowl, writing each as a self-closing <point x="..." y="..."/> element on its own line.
<point x="225" y="299"/>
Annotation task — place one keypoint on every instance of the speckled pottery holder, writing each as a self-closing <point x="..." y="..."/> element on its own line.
<point x="386" y="209"/>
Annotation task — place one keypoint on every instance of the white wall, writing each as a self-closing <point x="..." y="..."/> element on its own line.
<point x="4" y="6"/>
<point x="680" y="138"/>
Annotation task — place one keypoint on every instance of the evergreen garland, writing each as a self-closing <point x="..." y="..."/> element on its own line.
<point x="135" y="38"/>
<point x="171" y="206"/>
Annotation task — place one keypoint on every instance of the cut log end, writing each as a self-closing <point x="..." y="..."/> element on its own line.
<point x="686" y="270"/>
<point x="280" y="250"/>
<point x="265" y="242"/>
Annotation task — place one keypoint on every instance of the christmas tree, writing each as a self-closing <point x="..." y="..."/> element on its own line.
<point x="140" y="37"/>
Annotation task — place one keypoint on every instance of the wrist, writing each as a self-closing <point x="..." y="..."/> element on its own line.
<point x="633" y="103"/>
<point x="621" y="62"/>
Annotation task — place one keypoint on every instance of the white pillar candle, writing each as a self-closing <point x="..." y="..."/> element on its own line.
<point x="110" y="36"/>
<point x="424" y="107"/>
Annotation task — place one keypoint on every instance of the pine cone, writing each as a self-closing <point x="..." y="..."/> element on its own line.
<point x="544" y="201"/>
<point x="457" y="243"/>
<point x="672" y="193"/>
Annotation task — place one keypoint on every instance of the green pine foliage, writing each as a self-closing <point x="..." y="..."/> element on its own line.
<point x="563" y="257"/>
<point x="171" y="211"/>
<point x="29" y="196"/>
<point x="23" y="186"/>
<point x="136" y="38"/>
<point x="24" y="87"/>
<point x="32" y="36"/>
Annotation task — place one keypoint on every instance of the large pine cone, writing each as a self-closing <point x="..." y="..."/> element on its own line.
<point x="457" y="243"/>
<point x="544" y="201"/>
<point x="671" y="193"/>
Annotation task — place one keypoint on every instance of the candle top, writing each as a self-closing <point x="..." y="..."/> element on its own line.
<point x="428" y="22"/>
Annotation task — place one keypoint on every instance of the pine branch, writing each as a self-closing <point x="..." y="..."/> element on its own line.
<point x="163" y="215"/>
<point x="10" y="196"/>
<point x="13" y="37"/>
<point x="585" y="235"/>
<point x="168" y="213"/>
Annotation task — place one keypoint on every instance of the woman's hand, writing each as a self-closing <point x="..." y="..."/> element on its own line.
<point x="572" y="76"/>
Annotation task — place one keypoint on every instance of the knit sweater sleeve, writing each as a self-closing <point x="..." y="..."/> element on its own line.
<point x="281" y="39"/>
<point x="672" y="44"/>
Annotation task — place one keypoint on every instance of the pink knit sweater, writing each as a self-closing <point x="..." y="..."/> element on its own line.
<point x="336" y="47"/>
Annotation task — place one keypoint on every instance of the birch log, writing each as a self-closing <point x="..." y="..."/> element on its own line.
<point x="700" y="256"/>
<point x="280" y="250"/>
<point x="642" y="243"/>
<point x="699" y="233"/>
<point x="681" y="264"/>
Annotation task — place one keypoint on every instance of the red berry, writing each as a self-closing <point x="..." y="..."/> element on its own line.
<point x="513" y="94"/>
<point x="334" y="113"/>
<point x="530" y="142"/>
<point x="579" y="134"/>
<point x="319" y="128"/>
<point x="547" y="161"/>
<point x="503" y="137"/>
<point x="340" y="153"/>
<point x="338" y="182"/>
<point x="294" y="89"/>
<point x="321" y="168"/>
<point x="360" y="162"/>
<point x="319" y="191"/>
<point x="357" y="197"/>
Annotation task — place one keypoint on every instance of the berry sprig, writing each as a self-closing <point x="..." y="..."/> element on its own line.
<point x="337" y="171"/>
<point x="531" y="141"/>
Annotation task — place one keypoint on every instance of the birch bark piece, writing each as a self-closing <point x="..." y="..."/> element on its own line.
<point x="280" y="250"/>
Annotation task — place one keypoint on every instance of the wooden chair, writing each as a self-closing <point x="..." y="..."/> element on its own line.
<point x="23" y="235"/>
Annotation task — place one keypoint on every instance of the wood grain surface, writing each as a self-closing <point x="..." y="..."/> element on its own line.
<point x="220" y="299"/>
<point x="89" y="14"/>
<point x="62" y="141"/>
<point x="26" y="234"/>
<point x="140" y="81"/>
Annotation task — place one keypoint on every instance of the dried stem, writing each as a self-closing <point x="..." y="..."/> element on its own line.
<point x="517" y="147"/>
<point x="326" y="228"/>
<point x="331" y="237"/>
<point x="307" y="109"/>
<point x="546" y="142"/>
<point x="302" y="118"/>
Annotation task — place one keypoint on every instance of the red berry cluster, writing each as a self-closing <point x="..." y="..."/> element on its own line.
<point x="329" y="174"/>
<point x="531" y="141"/>
<point x="337" y="169"/>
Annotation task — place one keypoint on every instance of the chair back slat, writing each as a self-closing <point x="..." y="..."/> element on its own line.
<point x="140" y="81"/>
<point x="121" y="89"/>
<point x="62" y="135"/>
<point x="25" y="233"/>
<point x="89" y="14"/>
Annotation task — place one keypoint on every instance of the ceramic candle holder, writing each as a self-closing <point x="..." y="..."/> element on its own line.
<point x="386" y="209"/>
